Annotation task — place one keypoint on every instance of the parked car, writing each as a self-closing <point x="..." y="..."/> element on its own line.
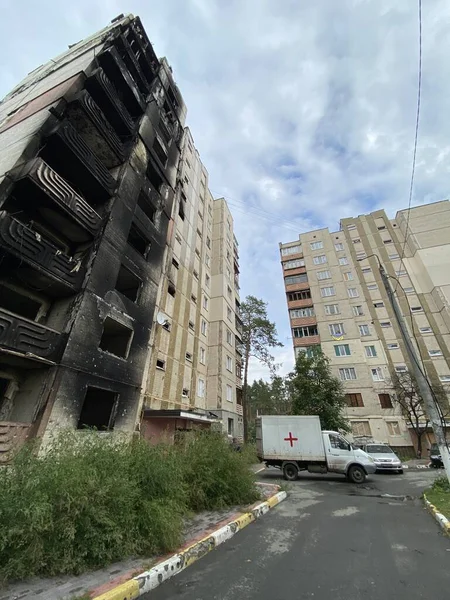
<point x="384" y="457"/>
<point x="435" y="457"/>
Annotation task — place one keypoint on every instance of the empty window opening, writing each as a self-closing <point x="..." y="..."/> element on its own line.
<point x="154" y="177"/>
<point x="181" y="210"/>
<point x="172" y="98"/>
<point x="128" y="284"/>
<point x="189" y="356"/>
<point x="137" y="241"/>
<point x="99" y="410"/>
<point x="18" y="303"/>
<point x="4" y="384"/>
<point x="160" y="151"/>
<point x="116" y="338"/>
<point x="166" y="326"/>
<point x="146" y="207"/>
<point x="171" y="289"/>
<point x="160" y="364"/>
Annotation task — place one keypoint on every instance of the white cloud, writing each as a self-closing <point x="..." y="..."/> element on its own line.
<point x="304" y="110"/>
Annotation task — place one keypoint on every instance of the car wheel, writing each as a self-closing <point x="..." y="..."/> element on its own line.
<point x="400" y="471"/>
<point x="290" y="472"/>
<point x="356" y="474"/>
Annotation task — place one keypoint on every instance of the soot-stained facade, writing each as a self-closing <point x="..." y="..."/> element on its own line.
<point x="89" y="151"/>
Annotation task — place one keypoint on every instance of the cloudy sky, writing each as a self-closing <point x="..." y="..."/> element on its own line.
<point x="303" y="110"/>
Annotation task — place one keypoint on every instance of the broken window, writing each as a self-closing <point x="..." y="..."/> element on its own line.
<point x="99" y="409"/>
<point x="181" y="209"/>
<point x="128" y="284"/>
<point x="137" y="241"/>
<point x="171" y="289"/>
<point x="18" y="303"/>
<point x="116" y="338"/>
<point x="160" y="151"/>
<point x="147" y="208"/>
<point x="154" y="177"/>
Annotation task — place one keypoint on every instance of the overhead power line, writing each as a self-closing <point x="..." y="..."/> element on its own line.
<point x="413" y="168"/>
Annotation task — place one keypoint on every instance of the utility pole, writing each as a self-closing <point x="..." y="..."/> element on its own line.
<point x="431" y="407"/>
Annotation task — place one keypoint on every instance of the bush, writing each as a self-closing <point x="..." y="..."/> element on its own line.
<point x="94" y="499"/>
<point x="216" y="475"/>
<point x="441" y="484"/>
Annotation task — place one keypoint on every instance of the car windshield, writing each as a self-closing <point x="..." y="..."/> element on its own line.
<point x="379" y="449"/>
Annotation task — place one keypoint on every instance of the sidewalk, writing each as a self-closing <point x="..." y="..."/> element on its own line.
<point x="82" y="586"/>
<point x="417" y="463"/>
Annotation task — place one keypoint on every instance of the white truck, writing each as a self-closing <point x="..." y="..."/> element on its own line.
<point x="297" y="443"/>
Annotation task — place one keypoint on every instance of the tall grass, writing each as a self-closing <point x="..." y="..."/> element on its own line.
<point x="93" y="499"/>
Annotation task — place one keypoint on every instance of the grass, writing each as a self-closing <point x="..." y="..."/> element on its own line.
<point x="439" y="495"/>
<point x="91" y="500"/>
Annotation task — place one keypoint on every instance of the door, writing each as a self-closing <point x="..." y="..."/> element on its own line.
<point x="339" y="452"/>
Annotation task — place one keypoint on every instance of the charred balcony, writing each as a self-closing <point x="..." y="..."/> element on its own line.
<point x="120" y="77"/>
<point x="142" y="50"/>
<point x="31" y="340"/>
<point x="131" y="62"/>
<point x="92" y="125"/>
<point x="68" y="154"/>
<point x="27" y="254"/>
<point x="39" y="191"/>
<point x="158" y="189"/>
<point x="104" y="94"/>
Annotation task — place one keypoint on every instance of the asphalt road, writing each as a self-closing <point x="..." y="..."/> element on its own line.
<point x="329" y="540"/>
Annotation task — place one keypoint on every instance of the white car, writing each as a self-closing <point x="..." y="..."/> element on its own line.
<point x="384" y="457"/>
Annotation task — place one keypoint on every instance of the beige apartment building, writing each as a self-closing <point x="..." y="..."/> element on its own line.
<point x="194" y="373"/>
<point x="336" y="299"/>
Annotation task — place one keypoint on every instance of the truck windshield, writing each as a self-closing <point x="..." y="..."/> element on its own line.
<point x="379" y="449"/>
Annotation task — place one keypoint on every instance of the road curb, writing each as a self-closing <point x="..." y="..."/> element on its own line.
<point x="444" y="523"/>
<point x="149" y="580"/>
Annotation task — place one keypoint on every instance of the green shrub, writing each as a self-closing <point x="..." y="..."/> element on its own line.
<point x="441" y="484"/>
<point x="248" y="452"/>
<point x="92" y="499"/>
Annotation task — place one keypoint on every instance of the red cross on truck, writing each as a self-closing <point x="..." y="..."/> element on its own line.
<point x="297" y="443"/>
<point x="291" y="439"/>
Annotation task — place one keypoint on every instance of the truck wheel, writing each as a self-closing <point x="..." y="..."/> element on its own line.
<point x="356" y="474"/>
<point x="290" y="472"/>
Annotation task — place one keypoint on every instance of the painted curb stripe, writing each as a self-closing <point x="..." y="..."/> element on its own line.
<point x="126" y="591"/>
<point x="149" y="580"/>
<point x="439" y="517"/>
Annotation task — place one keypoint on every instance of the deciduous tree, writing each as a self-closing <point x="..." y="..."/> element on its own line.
<point x="315" y="391"/>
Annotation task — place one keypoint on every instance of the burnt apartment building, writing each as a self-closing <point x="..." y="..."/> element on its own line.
<point x="89" y="151"/>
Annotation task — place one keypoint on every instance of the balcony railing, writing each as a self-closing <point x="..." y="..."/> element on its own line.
<point x="96" y="130"/>
<point x="28" y="338"/>
<point x="120" y="77"/>
<point x="302" y="303"/>
<point x="58" y="191"/>
<point x="307" y="341"/>
<point x="67" y="152"/>
<point x="28" y="246"/>
<point x="103" y="92"/>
